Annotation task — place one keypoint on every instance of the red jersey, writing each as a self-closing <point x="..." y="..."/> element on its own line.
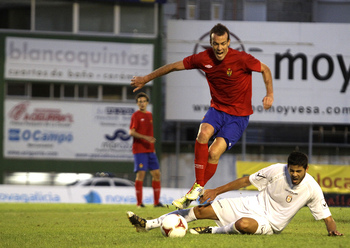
<point x="230" y="80"/>
<point x="143" y="124"/>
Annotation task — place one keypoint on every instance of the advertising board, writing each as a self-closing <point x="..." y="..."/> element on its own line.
<point x="310" y="65"/>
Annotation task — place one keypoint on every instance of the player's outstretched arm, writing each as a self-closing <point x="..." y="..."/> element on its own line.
<point x="266" y="73"/>
<point x="331" y="227"/>
<point x="139" y="82"/>
<point x="210" y="194"/>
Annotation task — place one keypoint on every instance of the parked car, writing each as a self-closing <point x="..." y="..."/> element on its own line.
<point x="104" y="181"/>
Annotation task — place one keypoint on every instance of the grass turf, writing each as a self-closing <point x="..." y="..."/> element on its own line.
<point x="94" y="225"/>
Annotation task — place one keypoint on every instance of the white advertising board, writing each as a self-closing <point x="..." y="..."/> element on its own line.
<point x="76" y="61"/>
<point x="310" y="65"/>
<point x="102" y="195"/>
<point x="68" y="130"/>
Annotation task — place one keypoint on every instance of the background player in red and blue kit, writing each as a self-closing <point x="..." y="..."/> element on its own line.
<point x="229" y="75"/>
<point x="141" y="128"/>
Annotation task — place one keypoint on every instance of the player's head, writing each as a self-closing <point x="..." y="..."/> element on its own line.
<point x="219" y="30"/>
<point x="298" y="158"/>
<point x="220" y="40"/>
<point x="141" y="94"/>
<point x="142" y="101"/>
<point x="297" y="166"/>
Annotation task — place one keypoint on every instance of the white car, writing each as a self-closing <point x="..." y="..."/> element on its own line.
<point x="104" y="181"/>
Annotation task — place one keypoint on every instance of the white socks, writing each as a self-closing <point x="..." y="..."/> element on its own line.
<point x="229" y="229"/>
<point x="188" y="214"/>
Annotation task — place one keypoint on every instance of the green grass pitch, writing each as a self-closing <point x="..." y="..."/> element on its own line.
<point x="94" y="225"/>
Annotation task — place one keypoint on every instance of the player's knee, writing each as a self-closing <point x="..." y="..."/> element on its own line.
<point x="156" y="178"/>
<point x="246" y="226"/>
<point x="204" y="135"/>
<point x="203" y="211"/>
<point x="214" y="154"/>
<point x="202" y="138"/>
<point x="156" y="175"/>
<point x="140" y="175"/>
<point x="198" y="212"/>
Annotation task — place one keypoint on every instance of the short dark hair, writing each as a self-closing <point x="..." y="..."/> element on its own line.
<point x="141" y="94"/>
<point x="298" y="158"/>
<point x="219" y="30"/>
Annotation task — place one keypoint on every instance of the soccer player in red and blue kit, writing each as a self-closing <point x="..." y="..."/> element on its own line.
<point x="141" y="128"/>
<point x="229" y="75"/>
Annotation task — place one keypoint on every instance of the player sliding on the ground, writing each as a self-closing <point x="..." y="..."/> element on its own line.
<point x="284" y="190"/>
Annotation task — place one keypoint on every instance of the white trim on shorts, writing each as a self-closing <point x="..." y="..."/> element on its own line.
<point x="229" y="210"/>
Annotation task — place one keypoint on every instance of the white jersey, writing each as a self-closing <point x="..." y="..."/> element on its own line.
<point x="280" y="200"/>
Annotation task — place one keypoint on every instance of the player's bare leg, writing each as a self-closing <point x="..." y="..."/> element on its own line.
<point x="216" y="149"/>
<point x="205" y="212"/>
<point x="246" y="225"/>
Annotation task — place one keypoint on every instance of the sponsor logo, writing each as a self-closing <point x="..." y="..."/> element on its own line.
<point x="14" y="134"/>
<point x="111" y="116"/>
<point x="37" y="196"/>
<point x="291" y="192"/>
<point x="118" y="134"/>
<point x="324" y="203"/>
<point x="259" y="176"/>
<point x="119" y="111"/>
<point x="92" y="197"/>
<point x="20" y="112"/>
<point x="89" y="54"/>
<point x="198" y="166"/>
<point x="120" y="140"/>
<point x="39" y="136"/>
<point x="319" y="74"/>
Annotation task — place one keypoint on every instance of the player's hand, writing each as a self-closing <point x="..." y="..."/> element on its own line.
<point x="334" y="233"/>
<point x="208" y="196"/>
<point x="151" y="139"/>
<point x="267" y="102"/>
<point x="137" y="82"/>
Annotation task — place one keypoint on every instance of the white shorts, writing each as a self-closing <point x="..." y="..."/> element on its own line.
<point x="230" y="210"/>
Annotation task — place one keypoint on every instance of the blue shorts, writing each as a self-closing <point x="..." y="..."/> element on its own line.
<point x="145" y="161"/>
<point x="229" y="127"/>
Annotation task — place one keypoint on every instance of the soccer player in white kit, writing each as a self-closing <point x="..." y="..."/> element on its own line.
<point x="283" y="190"/>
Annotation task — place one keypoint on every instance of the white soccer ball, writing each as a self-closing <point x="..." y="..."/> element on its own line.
<point x="174" y="226"/>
